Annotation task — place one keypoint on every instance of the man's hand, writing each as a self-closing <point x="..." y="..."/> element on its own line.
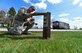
<point x="31" y="20"/>
<point x="31" y="13"/>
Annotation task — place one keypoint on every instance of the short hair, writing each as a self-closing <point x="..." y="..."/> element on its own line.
<point x="32" y="7"/>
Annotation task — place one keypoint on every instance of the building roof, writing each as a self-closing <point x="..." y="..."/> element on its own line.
<point x="59" y="22"/>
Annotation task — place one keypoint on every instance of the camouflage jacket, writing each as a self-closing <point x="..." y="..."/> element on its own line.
<point x="22" y="15"/>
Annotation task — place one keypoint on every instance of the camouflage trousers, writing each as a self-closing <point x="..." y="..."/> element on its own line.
<point x="20" y="27"/>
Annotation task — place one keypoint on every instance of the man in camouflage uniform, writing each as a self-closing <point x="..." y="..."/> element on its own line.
<point x="21" y="20"/>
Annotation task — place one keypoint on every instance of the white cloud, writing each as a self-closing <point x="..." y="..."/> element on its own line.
<point x="41" y="5"/>
<point x="74" y="22"/>
<point x="77" y="19"/>
<point x="54" y="1"/>
<point x="27" y="1"/>
<point x="62" y="15"/>
<point x="75" y="2"/>
<point x="80" y="4"/>
<point x="42" y="0"/>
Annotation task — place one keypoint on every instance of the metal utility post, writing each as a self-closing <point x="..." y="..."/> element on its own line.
<point x="46" y="23"/>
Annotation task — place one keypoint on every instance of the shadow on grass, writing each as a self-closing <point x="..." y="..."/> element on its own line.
<point x="32" y="36"/>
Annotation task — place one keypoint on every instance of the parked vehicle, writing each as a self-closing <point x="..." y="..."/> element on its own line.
<point x="60" y="25"/>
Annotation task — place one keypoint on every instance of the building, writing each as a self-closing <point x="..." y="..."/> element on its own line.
<point x="60" y="25"/>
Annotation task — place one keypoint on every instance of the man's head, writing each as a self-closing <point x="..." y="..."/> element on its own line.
<point x="31" y="8"/>
<point x="22" y="9"/>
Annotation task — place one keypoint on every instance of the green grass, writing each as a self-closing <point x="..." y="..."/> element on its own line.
<point x="60" y="42"/>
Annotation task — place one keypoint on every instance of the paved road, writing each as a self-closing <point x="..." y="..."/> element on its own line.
<point x="4" y="29"/>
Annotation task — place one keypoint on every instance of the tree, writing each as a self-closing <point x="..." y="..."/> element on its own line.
<point x="80" y="28"/>
<point x="2" y="17"/>
<point x="12" y="11"/>
<point x="11" y="14"/>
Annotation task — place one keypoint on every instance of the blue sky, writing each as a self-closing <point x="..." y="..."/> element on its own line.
<point x="69" y="11"/>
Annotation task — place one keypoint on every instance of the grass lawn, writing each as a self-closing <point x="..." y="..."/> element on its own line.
<point x="60" y="42"/>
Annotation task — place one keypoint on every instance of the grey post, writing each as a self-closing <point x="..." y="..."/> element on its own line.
<point x="46" y="23"/>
